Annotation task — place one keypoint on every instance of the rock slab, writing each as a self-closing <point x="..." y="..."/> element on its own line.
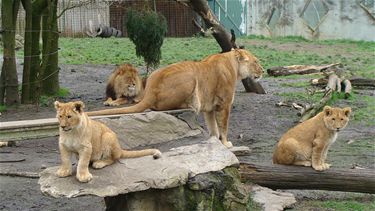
<point x="173" y="169"/>
<point x="142" y="129"/>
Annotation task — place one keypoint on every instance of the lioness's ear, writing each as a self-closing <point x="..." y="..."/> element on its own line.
<point x="57" y="105"/>
<point x="347" y="111"/>
<point x="327" y="110"/>
<point x="240" y="56"/>
<point x="79" y="106"/>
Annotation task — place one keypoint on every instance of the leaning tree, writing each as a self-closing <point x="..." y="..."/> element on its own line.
<point x="223" y="38"/>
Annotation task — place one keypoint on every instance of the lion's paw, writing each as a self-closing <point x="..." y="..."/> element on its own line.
<point x="228" y="144"/>
<point x="326" y="165"/>
<point x="85" y="177"/>
<point x="319" y="167"/>
<point x="64" y="172"/>
<point x="98" y="165"/>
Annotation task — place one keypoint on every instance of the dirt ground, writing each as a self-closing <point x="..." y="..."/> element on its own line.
<point x="255" y="122"/>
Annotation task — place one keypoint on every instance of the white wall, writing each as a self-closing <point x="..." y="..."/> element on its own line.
<point x="346" y="19"/>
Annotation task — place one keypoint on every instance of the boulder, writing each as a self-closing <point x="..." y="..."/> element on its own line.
<point x="173" y="169"/>
<point x="151" y="128"/>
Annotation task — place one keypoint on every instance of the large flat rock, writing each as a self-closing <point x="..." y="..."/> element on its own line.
<point x="174" y="168"/>
<point x="142" y="129"/>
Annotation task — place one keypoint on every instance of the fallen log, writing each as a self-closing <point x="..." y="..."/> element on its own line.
<point x="357" y="82"/>
<point x="19" y="174"/>
<point x="298" y="177"/>
<point x="298" y="69"/>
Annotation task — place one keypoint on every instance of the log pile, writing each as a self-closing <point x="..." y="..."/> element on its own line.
<point x="334" y="84"/>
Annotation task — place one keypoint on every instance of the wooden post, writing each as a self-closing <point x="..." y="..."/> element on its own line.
<point x="298" y="177"/>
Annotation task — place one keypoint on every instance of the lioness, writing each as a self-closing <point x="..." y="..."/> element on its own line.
<point x="124" y="86"/>
<point x="206" y="86"/>
<point x="307" y="143"/>
<point x="92" y="141"/>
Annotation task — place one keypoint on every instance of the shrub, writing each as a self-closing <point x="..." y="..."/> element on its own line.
<point x="147" y="29"/>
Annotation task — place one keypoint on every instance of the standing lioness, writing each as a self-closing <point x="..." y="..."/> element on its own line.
<point x="92" y="141"/>
<point x="206" y="86"/>
<point x="307" y="143"/>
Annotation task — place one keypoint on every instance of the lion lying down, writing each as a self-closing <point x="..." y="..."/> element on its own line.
<point x="92" y="141"/>
<point x="124" y="86"/>
<point x="307" y="143"/>
<point x="206" y="86"/>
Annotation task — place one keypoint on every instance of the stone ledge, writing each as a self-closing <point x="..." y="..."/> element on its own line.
<point x="132" y="175"/>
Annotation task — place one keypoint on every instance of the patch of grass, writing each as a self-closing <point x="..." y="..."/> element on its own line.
<point x="298" y="84"/>
<point x="46" y="101"/>
<point x="300" y="97"/>
<point x="365" y="112"/>
<point x="3" y="108"/>
<point x="121" y="50"/>
<point x="63" y="92"/>
<point x="344" y="205"/>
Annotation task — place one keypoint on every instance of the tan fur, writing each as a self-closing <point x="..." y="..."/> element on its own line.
<point x="206" y="86"/>
<point x="124" y="86"/>
<point x="92" y="141"/>
<point x="307" y="143"/>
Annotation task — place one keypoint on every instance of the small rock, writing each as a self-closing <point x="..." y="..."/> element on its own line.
<point x="73" y="70"/>
<point x="43" y="166"/>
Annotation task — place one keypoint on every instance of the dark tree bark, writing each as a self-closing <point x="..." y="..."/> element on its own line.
<point x="50" y="35"/>
<point x="9" y="80"/>
<point x="298" y="177"/>
<point x="25" y="99"/>
<point x="222" y="37"/>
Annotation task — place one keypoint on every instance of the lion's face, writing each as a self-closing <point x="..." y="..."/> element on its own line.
<point x="249" y="65"/>
<point x="69" y="114"/>
<point x="336" y="118"/>
<point x="127" y="81"/>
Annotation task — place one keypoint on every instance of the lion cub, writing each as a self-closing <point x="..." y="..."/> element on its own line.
<point x="124" y="86"/>
<point x="92" y="141"/>
<point x="307" y="143"/>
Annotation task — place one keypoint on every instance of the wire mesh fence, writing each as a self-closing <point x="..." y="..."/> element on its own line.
<point x="81" y="18"/>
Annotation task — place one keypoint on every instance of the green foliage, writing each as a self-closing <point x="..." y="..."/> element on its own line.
<point x="147" y="29"/>
<point x="344" y="205"/>
<point x="46" y="101"/>
<point x="3" y="108"/>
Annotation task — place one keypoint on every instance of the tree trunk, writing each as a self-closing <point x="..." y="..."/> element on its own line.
<point x="298" y="177"/>
<point x="27" y="53"/>
<point x="222" y="37"/>
<point x="9" y="91"/>
<point x="50" y="83"/>
<point x="38" y="7"/>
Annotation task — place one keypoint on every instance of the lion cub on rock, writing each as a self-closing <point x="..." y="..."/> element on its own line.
<point x="307" y="143"/>
<point x="92" y="141"/>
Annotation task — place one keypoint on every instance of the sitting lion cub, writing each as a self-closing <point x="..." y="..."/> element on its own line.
<point x="92" y="141"/>
<point x="307" y="143"/>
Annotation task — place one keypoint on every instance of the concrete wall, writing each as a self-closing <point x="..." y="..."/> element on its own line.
<point x="345" y="19"/>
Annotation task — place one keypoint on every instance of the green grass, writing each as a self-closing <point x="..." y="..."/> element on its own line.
<point x="121" y="50"/>
<point x="48" y="100"/>
<point x="335" y="205"/>
<point x="3" y="108"/>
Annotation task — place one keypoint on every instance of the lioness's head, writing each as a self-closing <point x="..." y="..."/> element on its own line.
<point x="249" y="65"/>
<point x="336" y="118"/>
<point x="69" y="114"/>
<point x="126" y="81"/>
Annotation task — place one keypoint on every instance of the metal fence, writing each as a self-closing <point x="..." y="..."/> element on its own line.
<point x="76" y="22"/>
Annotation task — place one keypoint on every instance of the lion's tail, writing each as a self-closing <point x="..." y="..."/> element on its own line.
<point x="140" y="107"/>
<point x="140" y="153"/>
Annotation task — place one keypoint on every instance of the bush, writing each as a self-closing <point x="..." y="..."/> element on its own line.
<point x="147" y="29"/>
